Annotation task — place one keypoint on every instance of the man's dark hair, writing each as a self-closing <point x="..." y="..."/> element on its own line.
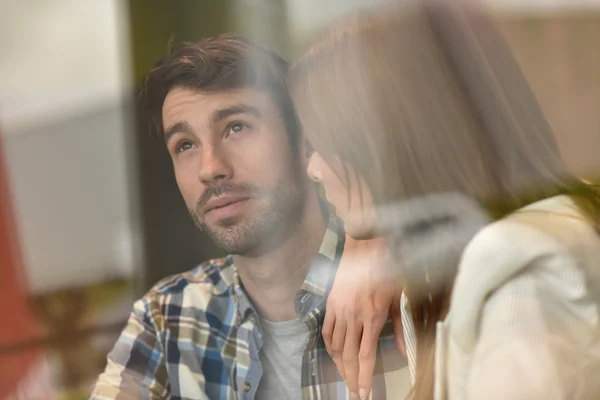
<point x="221" y="63"/>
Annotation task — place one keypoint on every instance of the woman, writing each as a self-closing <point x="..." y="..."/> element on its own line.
<point x="426" y="136"/>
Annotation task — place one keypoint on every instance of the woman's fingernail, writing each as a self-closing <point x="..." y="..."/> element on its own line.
<point x="363" y="394"/>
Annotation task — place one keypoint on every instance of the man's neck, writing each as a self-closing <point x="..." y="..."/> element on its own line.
<point x="273" y="277"/>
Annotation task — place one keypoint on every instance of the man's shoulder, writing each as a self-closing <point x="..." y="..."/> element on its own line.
<point x="204" y="294"/>
<point x="214" y="276"/>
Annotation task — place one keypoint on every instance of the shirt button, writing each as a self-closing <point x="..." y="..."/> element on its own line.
<point x="305" y="298"/>
<point x="247" y="387"/>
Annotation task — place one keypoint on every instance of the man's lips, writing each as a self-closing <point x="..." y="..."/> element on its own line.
<point x="222" y="201"/>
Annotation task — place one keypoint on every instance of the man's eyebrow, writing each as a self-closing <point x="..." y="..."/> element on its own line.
<point x="220" y="115"/>
<point x="178" y="127"/>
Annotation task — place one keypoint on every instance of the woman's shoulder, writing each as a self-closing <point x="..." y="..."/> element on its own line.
<point x="549" y="241"/>
<point x="548" y="247"/>
<point x="551" y="227"/>
<point x="525" y="292"/>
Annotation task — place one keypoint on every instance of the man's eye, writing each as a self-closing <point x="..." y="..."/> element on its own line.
<point x="183" y="146"/>
<point x="236" y="128"/>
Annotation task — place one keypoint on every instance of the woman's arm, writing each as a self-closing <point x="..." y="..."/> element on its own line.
<point x="363" y="297"/>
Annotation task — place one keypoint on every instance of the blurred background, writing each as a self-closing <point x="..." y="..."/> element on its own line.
<point x="90" y="216"/>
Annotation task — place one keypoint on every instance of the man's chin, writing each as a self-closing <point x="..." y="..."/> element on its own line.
<point x="224" y="226"/>
<point x="231" y="236"/>
<point x="228" y="223"/>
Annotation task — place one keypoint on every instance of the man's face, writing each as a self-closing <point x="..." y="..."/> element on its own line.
<point x="234" y="165"/>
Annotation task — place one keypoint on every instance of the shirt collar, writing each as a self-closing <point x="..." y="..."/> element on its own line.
<point x="319" y="279"/>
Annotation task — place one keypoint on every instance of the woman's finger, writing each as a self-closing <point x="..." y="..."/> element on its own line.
<point x="328" y="326"/>
<point x="350" y="354"/>
<point x="367" y="356"/>
<point x="337" y="345"/>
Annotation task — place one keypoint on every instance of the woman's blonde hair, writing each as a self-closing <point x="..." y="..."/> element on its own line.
<point x="425" y="97"/>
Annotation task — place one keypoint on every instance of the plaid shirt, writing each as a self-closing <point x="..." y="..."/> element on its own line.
<point x="196" y="336"/>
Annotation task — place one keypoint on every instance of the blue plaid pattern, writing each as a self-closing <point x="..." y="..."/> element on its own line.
<point x="196" y="336"/>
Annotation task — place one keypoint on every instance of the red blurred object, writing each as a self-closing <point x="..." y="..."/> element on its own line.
<point x="18" y="324"/>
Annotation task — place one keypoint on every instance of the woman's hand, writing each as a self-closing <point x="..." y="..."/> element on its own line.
<point x="365" y="293"/>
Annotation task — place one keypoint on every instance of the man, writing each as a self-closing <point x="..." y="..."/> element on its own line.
<point x="247" y="326"/>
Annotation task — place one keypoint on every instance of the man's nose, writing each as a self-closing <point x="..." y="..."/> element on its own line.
<point x="215" y="166"/>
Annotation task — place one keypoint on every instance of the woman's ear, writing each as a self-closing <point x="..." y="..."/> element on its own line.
<point x="306" y="151"/>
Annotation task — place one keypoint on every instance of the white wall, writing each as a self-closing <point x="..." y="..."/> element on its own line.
<point x="59" y="58"/>
<point x="306" y="15"/>
<point x="69" y="184"/>
<point x="542" y="6"/>
<point x="63" y="79"/>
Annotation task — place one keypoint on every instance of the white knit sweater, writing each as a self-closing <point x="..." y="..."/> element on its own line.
<point x="524" y="315"/>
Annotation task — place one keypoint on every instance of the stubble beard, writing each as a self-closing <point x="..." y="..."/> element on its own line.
<point x="271" y="224"/>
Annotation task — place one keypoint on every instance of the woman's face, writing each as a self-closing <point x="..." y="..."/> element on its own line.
<point x="357" y="215"/>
